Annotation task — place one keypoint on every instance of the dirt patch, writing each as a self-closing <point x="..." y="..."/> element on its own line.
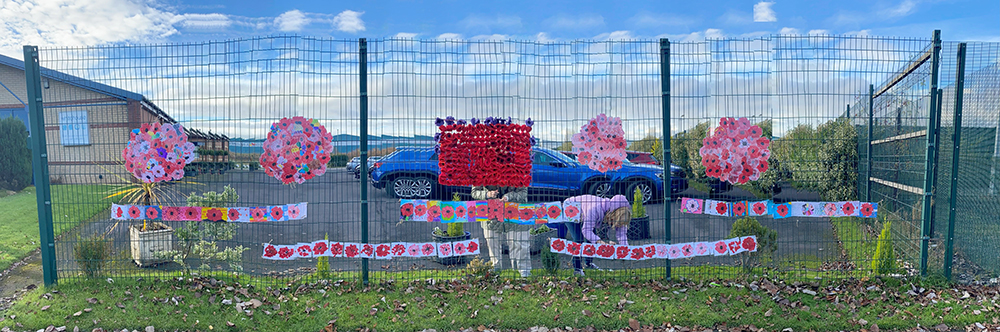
<point x="20" y="277"/>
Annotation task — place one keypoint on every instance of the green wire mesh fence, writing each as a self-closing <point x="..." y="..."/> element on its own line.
<point x="378" y="99"/>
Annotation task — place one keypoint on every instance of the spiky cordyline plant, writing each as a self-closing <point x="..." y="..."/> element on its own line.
<point x="137" y="192"/>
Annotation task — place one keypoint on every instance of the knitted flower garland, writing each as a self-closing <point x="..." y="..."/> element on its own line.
<point x="157" y="153"/>
<point x="296" y="150"/>
<point x="736" y="152"/>
<point x="601" y="144"/>
<point x="496" y="152"/>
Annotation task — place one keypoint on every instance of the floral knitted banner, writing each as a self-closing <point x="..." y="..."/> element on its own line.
<point x="736" y="152"/>
<point x="323" y="248"/>
<point x="495" y="152"/>
<point x="650" y="251"/>
<point x="197" y="213"/>
<point x="472" y="211"/>
<point x="157" y="153"/>
<point x="779" y="210"/>
<point x="600" y="144"/>
<point x="296" y="150"/>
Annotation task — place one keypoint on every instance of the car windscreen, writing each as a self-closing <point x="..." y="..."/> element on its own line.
<point x="563" y="158"/>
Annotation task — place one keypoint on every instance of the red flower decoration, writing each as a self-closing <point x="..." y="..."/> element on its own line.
<point x="192" y="213"/>
<point x="867" y="209"/>
<point x="749" y="243"/>
<point x="473" y="246"/>
<point x="848" y="209"/>
<point x="433" y="212"/>
<point x="759" y="208"/>
<point x="337" y="249"/>
<point x="687" y="250"/>
<point x="482" y="210"/>
<point x="367" y="249"/>
<point x="621" y="252"/>
<point x="398" y="249"/>
<point x="285" y="252"/>
<point x="406" y="210"/>
<point x="119" y="212"/>
<point x="320" y="248"/>
<point x="258" y="214"/>
<point x="735" y="151"/>
<point x="782" y="209"/>
<point x="171" y="213"/>
<point x="157" y="153"/>
<point x="447" y="212"/>
<point x="554" y="212"/>
<point x="351" y="251"/>
<point x="540" y="212"/>
<point x="152" y="212"/>
<point x="558" y="245"/>
<point x="721" y="208"/>
<point x="589" y="249"/>
<point x="420" y="210"/>
<point x="134" y="212"/>
<point x="427" y="249"/>
<point x="734" y="246"/>
<point x="234" y="214"/>
<point x="304" y="250"/>
<point x="571" y="211"/>
<point x="650" y="251"/>
<point x="637" y="253"/>
<point x="606" y="250"/>
<point x="293" y="211"/>
<point x="573" y="248"/>
<point x="721" y="247"/>
<point x="510" y="212"/>
<point x="481" y="154"/>
<point x="739" y="208"/>
<point x="459" y="248"/>
<point x="460" y="211"/>
<point x="214" y="214"/>
<point x="270" y="251"/>
<point x="277" y="213"/>
<point x="296" y="150"/>
<point x="527" y="214"/>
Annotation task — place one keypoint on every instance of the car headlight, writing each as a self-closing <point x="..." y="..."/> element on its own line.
<point x="659" y="175"/>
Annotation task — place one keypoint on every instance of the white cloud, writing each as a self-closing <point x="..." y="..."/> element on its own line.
<point x="80" y="23"/>
<point x="449" y="36"/>
<point x="788" y="31"/>
<point x="616" y="35"/>
<point x="762" y="12"/>
<point x="405" y="35"/>
<point x="349" y="21"/>
<point x="292" y="20"/>
<point x="819" y="32"/>
<point x="491" y="22"/>
<point x="575" y="22"/>
<point x="904" y="8"/>
<point x="714" y="34"/>
<point x="204" y="21"/>
<point x="543" y="38"/>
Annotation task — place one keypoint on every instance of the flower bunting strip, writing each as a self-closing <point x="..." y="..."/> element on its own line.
<point x="779" y="210"/>
<point x="492" y="152"/>
<point x="725" y="247"/>
<point x="735" y="152"/>
<point x="601" y="144"/>
<point x="285" y="212"/>
<point x="158" y="152"/>
<point x="471" y="211"/>
<point x="296" y="149"/>
<point x="382" y="251"/>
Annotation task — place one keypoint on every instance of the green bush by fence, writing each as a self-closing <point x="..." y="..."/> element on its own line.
<point x="338" y="160"/>
<point x="15" y="165"/>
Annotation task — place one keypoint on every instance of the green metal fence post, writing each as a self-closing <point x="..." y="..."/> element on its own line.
<point x="665" y="99"/>
<point x="363" y="84"/>
<point x="871" y="131"/>
<point x="927" y="218"/>
<point x="956" y="139"/>
<point x="40" y="164"/>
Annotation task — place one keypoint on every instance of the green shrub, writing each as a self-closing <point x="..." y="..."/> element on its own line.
<point x="478" y="268"/>
<point x="338" y="160"/>
<point x="638" y="210"/>
<point x="91" y="254"/>
<point x="200" y="239"/>
<point x="767" y="242"/>
<point x="456" y="228"/>
<point x="550" y="261"/>
<point x="15" y="165"/>
<point x="884" y="261"/>
<point x="323" y="264"/>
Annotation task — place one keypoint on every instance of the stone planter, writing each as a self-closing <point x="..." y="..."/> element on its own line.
<point x="541" y="241"/>
<point x="454" y="260"/>
<point x="146" y="245"/>
<point x="638" y="228"/>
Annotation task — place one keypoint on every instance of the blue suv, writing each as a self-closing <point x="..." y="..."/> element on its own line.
<point x="412" y="172"/>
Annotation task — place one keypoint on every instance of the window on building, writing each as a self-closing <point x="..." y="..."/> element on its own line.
<point x="73" y="128"/>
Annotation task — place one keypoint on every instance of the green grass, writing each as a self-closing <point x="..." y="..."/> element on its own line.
<point x="72" y="204"/>
<point x="859" y="247"/>
<point x="499" y="304"/>
<point x="698" y="185"/>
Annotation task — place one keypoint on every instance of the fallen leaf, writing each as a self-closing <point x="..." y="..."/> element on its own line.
<point x="587" y="313"/>
<point x="77" y="314"/>
<point x="47" y="308"/>
<point x="634" y="324"/>
<point x="768" y="313"/>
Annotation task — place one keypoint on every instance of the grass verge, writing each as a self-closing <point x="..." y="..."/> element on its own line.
<point x="73" y="204"/>
<point x="505" y="303"/>
<point x="857" y="244"/>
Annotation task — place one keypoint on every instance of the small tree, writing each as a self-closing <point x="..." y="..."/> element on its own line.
<point x="456" y="228"/>
<point x="323" y="264"/>
<point x="885" y="258"/>
<point x="92" y="254"/>
<point x="15" y="165"/>
<point x="638" y="210"/>
<point x="200" y="239"/>
<point x="767" y="242"/>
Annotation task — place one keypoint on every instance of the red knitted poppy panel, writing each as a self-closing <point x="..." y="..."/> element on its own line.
<point x="485" y="155"/>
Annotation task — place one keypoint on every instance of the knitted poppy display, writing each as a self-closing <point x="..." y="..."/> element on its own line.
<point x="736" y="152"/>
<point x="600" y="144"/>
<point x="296" y="150"/>
<point x="494" y="152"/>
<point x="157" y="153"/>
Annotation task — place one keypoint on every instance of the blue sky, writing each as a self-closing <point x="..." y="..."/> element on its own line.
<point x="85" y="22"/>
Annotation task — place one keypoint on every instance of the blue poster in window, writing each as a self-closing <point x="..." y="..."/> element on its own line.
<point x="73" y="128"/>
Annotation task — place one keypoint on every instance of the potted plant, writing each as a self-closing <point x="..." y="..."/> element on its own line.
<point x="456" y="232"/>
<point x="638" y="228"/>
<point x="150" y="238"/>
<point x="540" y="238"/>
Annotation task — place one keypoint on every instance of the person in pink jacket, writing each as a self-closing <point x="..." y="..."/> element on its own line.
<point x="615" y="211"/>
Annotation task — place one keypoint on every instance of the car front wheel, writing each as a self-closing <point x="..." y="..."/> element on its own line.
<point x="644" y="187"/>
<point x="601" y="189"/>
